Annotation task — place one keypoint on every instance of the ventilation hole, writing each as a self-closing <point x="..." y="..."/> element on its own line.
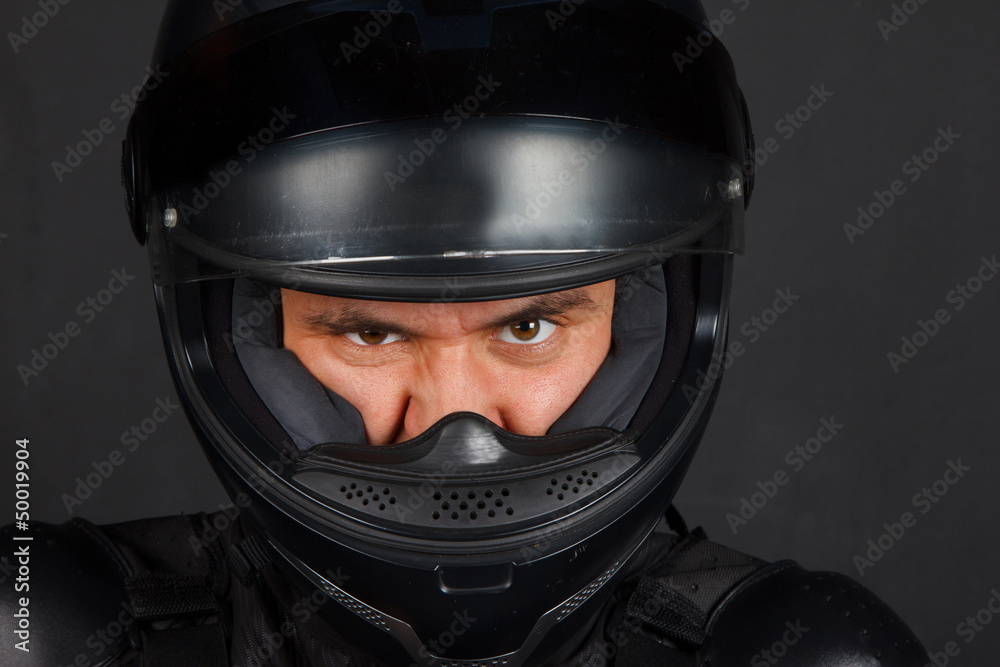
<point x="454" y="516"/>
<point x="381" y="507"/>
<point x="385" y="491"/>
<point x="565" y="486"/>
<point x="498" y="502"/>
<point x="445" y="506"/>
<point x="576" y="489"/>
<point x="560" y="496"/>
<point x="454" y="495"/>
<point x="472" y="495"/>
<point x="590" y="482"/>
<point x="369" y="489"/>
<point x="505" y="492"/>
<point x="375" y="497"/>
<point x="392" y="500"/>
<point x="569" y="478"/>
<point x="353" y="485"/>
<point x="579" y="480"/>
<point x="350" y="496"/>
<point x="594" y="474"/>
<point x="488" y="493"/>
<point x="491" y="513"/>
<point x="583" y="472"/>
<point x="343" y="489"/>
<point x="553" y="481"/>
<point x="360" y="492"/>
<point x="510" y="511"/>
<point x="436" y="515"/>
<point x="463" y="506"/>
<point x="437" y="495"/>
<point x="481" y="504"/>
<point x="548" y="491"/>
<point x="473" y="515"/>
<point x="364" y="502"/>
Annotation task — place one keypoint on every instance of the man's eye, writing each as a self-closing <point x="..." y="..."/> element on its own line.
<point x="527" y="332"/>
<point x="371" y="338"/>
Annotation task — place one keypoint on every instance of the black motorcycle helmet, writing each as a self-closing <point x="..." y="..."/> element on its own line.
<point x="443" y="150"/>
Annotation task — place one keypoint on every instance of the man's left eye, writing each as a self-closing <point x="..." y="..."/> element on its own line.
<point x="527" y="332"/>
<point x="373" y="338"/>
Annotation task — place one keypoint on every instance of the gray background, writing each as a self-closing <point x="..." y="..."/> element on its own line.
<point x="825" y="357"/>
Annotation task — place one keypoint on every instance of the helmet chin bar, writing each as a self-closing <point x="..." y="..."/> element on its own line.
<point x="467" y="474"/>
<point x="405" y="634"/>
<point x="531" y="584"/>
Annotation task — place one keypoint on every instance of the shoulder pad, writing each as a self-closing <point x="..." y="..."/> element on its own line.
<point x="814" y="618"/>
<point x="62" y="597"/>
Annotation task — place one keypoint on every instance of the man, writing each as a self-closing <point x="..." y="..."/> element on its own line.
<point x="436" y="280"/>
<point x="520" y="363"/>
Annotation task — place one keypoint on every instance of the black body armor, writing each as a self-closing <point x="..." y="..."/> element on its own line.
<point x="195" y="591"/>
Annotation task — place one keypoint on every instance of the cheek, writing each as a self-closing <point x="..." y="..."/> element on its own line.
<point x="376" y="392"/>
<point x="537" y="398"/>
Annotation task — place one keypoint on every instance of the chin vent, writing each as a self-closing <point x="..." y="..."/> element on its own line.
<point x="472" y="505"/>
<point x="570" y="486"/>
<point x="368" y="496"/>
<point x="444" y="504"/>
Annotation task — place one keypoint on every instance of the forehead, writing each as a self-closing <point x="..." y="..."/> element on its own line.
<point x="335" y="312"/>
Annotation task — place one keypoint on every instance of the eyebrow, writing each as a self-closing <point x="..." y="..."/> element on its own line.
<point x="353" y="318"/>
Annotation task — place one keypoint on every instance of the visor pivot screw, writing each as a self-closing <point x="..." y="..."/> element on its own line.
<point x="170" y="218"/>
<point x="735" y="190"/>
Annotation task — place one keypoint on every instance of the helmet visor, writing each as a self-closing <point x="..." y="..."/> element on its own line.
<point x="413" y="199"/>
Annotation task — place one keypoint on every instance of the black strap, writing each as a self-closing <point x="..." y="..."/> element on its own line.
<point x="666" y="616"/>
<point x="247" y="559"/>
<point x="174" y="582"/>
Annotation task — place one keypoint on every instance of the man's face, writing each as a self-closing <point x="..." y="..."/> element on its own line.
<point x="520" y="363"/>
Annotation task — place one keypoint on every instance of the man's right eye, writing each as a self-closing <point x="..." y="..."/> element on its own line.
<point x="373" y="338"/>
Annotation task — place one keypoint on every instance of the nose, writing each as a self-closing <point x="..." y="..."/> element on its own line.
<point x="448" y="383"/>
